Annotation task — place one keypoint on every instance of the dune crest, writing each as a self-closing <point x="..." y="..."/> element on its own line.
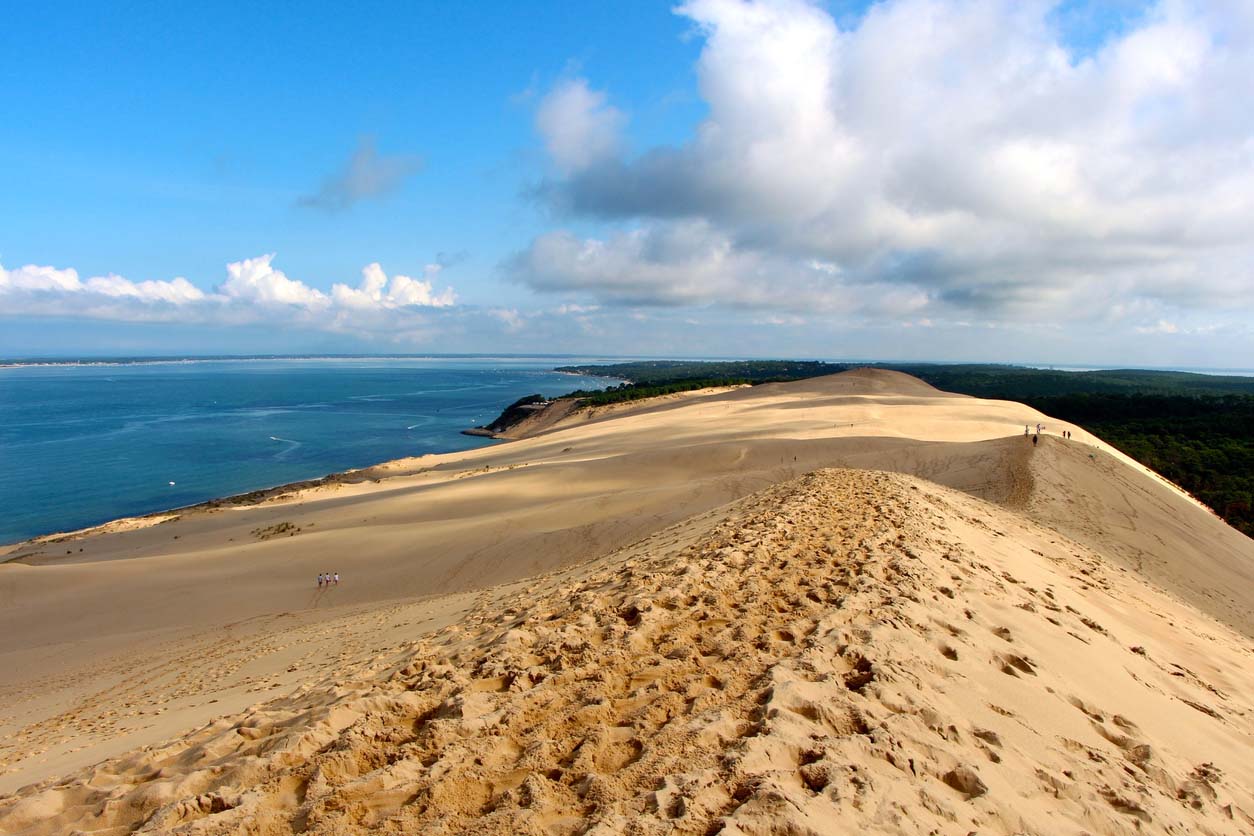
<point x="850" y="651"/>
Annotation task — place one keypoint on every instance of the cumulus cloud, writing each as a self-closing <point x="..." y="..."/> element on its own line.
<point x="50" y="291"/>
<point x="254" y="280"/>
<point x="962" y="153"/>
<point x="578" y="126"/>
<point x="377" y="291"/>
<point x="367" y="174"/>
<point x="254" y="291"/>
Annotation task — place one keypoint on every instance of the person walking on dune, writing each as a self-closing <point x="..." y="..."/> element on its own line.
<point x="337" y="578"/>
<point x="320" y="580"/>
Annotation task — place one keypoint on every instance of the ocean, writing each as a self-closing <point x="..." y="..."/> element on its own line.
<point x="82" y="444"/>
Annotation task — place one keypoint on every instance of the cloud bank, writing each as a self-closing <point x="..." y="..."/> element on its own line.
<point x="944" y="158"/>
<point x="254" y="291"/>
<point x="367" y="174"/>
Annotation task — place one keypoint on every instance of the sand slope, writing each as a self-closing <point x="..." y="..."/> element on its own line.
<point x="1124" y="513"/>
<point x="146" y="633"/>
<point x="849" y="652"/>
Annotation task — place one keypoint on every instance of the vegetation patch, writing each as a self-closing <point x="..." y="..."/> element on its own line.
<point x="517" y="411"/>
<point x="283" y="529"/>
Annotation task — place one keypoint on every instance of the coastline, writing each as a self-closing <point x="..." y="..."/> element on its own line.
<point x="42" y="515"/>
<point x="286" y="490"/>
<point x="619" y="378"/>
<point x="260" y="496"/>
<point x="53" y="362"/>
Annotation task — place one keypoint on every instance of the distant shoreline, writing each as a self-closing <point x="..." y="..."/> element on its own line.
<point x="73" y="362"/>
<point x="50" y="362"/>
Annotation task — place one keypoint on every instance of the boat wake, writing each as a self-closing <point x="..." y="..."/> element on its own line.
<point x="287" y="451"/>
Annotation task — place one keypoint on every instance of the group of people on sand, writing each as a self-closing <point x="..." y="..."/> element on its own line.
<point x="1027" y="430"/>
<point x="328" y="578"/>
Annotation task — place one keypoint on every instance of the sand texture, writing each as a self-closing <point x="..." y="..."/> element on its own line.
<point x="719" y="614"/>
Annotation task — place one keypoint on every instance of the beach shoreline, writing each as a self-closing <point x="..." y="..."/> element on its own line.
<point x="275" y="493"/>
<point x="87" y="443"/>
<point x="259" y="496"/>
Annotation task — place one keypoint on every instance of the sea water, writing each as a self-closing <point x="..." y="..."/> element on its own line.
<point x="81" y="444"/>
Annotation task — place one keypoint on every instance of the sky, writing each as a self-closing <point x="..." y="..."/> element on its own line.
<point x="973" y="180"/>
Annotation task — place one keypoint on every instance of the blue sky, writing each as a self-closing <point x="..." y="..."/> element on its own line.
<point x="908" y="179"/>
<point x="168" y="139"/>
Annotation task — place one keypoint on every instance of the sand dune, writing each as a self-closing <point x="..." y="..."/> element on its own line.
<point x="849" y="652"/>
<point x="444" y="664"/>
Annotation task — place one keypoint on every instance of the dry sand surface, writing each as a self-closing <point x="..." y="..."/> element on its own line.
<point x="659" y="620"/>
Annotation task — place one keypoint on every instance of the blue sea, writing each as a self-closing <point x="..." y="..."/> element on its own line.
<point x="81" y="444"/>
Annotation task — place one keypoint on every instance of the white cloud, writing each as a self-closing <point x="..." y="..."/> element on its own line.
<point x="37" y="279"/>
<point x="694" y="263"/>
<point x="578" y="127"/>
<point x="255" y="280"/>
<point x="49" y="291"/>
<point x="957" y="151"/>
<point x="177" y="291"/>
<point x="254" y="291"/>
<point x="376" y="291"/>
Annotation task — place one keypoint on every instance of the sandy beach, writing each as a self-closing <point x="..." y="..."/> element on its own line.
<point x="846" y="604"/>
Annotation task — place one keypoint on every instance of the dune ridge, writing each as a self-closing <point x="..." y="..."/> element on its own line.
<point x="851" y="651"/>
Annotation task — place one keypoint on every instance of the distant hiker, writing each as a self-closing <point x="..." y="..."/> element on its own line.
<point x="337" y="578"/>
<point x="320" y="580"/>
<point x="1025" y="429"/>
